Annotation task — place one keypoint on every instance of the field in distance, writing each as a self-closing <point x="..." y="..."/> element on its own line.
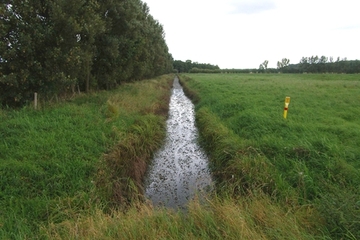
<point x="312" y="157"/>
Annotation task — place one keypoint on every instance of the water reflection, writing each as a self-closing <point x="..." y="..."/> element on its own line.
<point x="180" y="168"/>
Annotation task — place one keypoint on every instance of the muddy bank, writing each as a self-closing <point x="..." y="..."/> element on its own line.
<point x="179" y="170"/>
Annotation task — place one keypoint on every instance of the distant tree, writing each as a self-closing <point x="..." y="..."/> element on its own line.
<point x="284" y="63"/>
<point x="204" y="70"/>
<point x="265" y="64"/>
<point x="319" y="65"/>
<point x="304" y="60"/>
<point x="313" y="59"/>
<point x="323" y="65"/>
<point x="179" y="66"/>
<point x="190" y="66"/>
<point x="261" y="68"/>
<point x="323" y="59"/>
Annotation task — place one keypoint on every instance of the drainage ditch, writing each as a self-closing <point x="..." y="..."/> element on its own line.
<point x="179" y="170"/>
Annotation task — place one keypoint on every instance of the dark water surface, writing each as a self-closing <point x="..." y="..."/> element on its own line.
<point x="179" y="170"/>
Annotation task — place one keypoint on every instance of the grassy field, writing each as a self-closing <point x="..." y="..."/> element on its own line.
<point x="73" y="170"/>
<point x="312" y="158"/>
<point x="57" y="163"/>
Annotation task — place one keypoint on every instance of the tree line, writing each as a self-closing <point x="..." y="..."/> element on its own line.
<point x="313" y="64"/>
<point x="64" y="46"/>
<point x="194" y="67"/>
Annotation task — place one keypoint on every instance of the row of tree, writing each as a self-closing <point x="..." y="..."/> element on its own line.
<point x="60" y="46"/>
<point x="194" y="67"/>
<point x="313" y="64"/>
<point x="316" y="64"/>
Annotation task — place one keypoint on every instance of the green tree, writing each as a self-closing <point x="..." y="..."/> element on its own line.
<point x="263" y="66"/>
<point x="284" y="63"/>
<point x="23" y="28"/>
<point x="53" y="46"/>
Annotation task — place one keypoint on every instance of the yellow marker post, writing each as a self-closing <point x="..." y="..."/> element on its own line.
<point x="287" y="102"/>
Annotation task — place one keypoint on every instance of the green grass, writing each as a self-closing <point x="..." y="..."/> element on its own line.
<point x="51" y="159"/>
<point x="46" y="156"/>
<point x="73" y="170"/>
<point x="253" y="218"/>
<point x="222" y="217"/>
<point x="312" y="157"/>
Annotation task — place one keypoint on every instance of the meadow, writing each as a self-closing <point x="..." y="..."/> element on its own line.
<point x="71" y="157"/>
<point x="308" y="160"/>
<point x="73" y="169"/>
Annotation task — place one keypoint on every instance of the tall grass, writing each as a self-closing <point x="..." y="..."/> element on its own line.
<point x="253" y="218"/>
<point x="50" y="160"/>
<point x="309" y="158"/>
<point x="120" y="173"/>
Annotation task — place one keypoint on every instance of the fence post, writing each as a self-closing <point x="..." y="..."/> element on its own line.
<point x="35" y="100"/>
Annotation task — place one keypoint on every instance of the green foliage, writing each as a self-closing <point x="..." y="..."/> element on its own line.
<point x="263" y="67"/>
<point x="309" y="158"/>
<point x="199" y="70"/>
<point x="195" y="67"/>
<point x="284" y="63"/>
<point x="314" y="64"/>
<point x="57" y="47"/>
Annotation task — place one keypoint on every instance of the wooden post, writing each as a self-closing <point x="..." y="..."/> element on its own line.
<point x="35" y="100"/>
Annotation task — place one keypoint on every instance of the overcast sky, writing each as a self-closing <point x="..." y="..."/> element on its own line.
<point x="244" y="33"/>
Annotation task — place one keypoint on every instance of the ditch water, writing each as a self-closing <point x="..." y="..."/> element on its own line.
<point x="179" y="170"/>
